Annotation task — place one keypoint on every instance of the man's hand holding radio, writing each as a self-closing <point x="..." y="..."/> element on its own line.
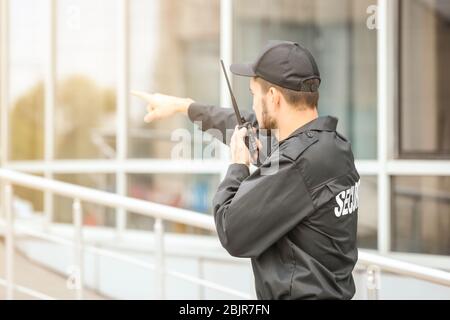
<point x="239" y="151"/>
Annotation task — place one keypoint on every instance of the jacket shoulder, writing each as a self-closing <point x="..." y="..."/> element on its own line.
<point x="295" y="146"/>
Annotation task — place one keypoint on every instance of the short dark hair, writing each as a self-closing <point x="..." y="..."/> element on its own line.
<point x="299" y="99"/>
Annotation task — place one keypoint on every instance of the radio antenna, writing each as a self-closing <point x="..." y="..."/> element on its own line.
<point x="233" y="99"/>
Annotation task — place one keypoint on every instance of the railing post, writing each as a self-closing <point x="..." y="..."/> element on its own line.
<point x="78" y="248"/>
<point x="373" y="282"/>
<point x="159" y="259"/>
<point x="9" y="241"/>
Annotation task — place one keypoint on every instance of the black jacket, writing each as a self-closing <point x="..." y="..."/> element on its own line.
<point x="298" y="225"/>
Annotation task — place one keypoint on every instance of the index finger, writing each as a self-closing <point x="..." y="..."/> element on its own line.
<point x="143" y="95"/>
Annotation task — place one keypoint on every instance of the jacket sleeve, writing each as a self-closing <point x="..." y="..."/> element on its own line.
<point x="222" y="119"/>
<point x="252" y="212"/>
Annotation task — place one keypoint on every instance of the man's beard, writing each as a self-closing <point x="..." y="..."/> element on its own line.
<point x="269" y="122"/>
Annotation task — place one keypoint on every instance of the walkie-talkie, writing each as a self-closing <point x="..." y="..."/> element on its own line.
<point x="250" y="139"/>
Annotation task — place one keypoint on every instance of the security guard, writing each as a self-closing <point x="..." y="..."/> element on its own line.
<point x="297" y="224"/>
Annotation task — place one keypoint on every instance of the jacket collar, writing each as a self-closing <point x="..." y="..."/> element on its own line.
<point x="326" y="123"/>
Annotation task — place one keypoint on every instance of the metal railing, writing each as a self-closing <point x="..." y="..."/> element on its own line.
<point x="372" y="263"/>
<point x="79" y="194"/>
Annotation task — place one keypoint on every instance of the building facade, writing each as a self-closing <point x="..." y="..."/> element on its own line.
<point x="67" y="67"/>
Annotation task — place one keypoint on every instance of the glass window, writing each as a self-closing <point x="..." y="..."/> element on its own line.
<point x="86" y="79"/>
<point x="424" y="79"/>
<point x="187" y="191"/>
<point x="175" y="51"/>
<point x="93" y="214"/>
<point x="368" y="213"/>
<point x="344" y="47"/>
<point x="421" y="214"/>
<point x="27" y="50"/>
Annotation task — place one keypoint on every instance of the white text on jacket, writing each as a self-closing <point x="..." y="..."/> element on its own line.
<point x="347" y="201"/>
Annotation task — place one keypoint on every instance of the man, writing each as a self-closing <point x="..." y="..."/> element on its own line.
<point x="297" y="224"/>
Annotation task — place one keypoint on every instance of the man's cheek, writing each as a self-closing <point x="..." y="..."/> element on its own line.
<point x="257" y="111"/>
<point x="258" y="116"/>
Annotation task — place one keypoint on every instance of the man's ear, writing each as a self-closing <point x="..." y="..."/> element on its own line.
<point x="275" y="97"/>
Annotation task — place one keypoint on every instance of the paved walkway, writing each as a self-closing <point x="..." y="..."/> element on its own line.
<point x="39" y="278"/>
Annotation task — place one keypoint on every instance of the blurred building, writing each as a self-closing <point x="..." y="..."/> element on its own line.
<point x="388" y="87"/>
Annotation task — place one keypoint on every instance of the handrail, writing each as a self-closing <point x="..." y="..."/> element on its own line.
<point x="27" y="291"/>
<point x="78" y="193"/>
<point x="134" y="261"/>
<point x="199" y="220"/>
<point x="404" y="268"/>
<point x="109" y="199"/>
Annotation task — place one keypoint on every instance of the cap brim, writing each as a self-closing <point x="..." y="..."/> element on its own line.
<point x="243" y="69"/>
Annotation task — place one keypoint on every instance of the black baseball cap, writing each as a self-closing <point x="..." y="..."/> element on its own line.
<point x="284" y="63"/>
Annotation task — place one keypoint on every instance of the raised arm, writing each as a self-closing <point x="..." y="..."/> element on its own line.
<point x="162" y="106"/>
<point x="221" y="119"/>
